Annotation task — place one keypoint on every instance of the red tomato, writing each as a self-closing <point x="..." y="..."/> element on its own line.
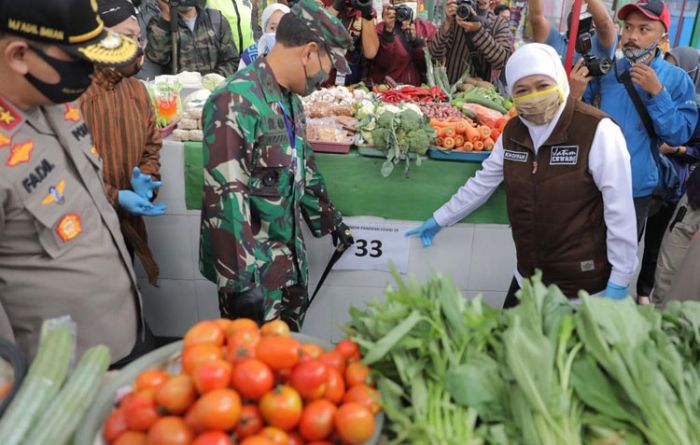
<point x="151" y="378"/>
<point x="244" y="324"/>
<point x="257" y="440"/>
<point x="177" y="394"/>
<point x="335" y="386"/>
<point x="225" y="325"/>
<point x="333" y="359"/>
<point x="140" y="411"/>
<point x="317" y="420"/>
<point x="275" y="435"/>
<point x="275" y="327"/>
<point x="219" y="409"/>
<point x="295" y="439"/>
<point x="198" y="354"/>
<point x="349" y="350"/>
<point x="278" y="352"/>
<point x="204" y="332"/>
<point x="131" y="438"/>
<point x="213" y="438"/>
<point x="356" y="374"/>
<point x="252" y="379"/>
<point x="212" y="375"/>
<point x="281" y="408"/>
<point x="170" y="431"/>
<point x="250" y="422"/>
<point x="364" y="395"/>
<point x="309" y="379"/>
<point x="193" y="421"/>
<point x="354" y="423"/>
<point x="310" y="351"/>
<point x="241" y="345"/>
<point x="115" y="425"/>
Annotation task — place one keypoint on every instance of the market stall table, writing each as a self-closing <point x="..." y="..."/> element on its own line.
<point x="357" y="189"/>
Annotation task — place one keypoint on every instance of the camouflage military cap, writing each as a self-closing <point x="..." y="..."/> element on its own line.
<point x="331" y="30"/>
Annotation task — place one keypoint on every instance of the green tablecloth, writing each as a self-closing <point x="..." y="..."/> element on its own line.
<point x="357" y="188"/>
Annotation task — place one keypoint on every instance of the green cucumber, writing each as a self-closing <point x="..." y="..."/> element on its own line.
<point x="469" y="113"/>
<point x="488" y="103"/>
<point x="66" y="410"/>
<point x="44" y="379"/>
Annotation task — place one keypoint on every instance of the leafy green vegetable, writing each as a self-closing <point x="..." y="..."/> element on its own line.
<point x="454" y="371"/>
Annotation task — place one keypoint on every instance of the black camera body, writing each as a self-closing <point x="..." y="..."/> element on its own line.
<point x="465" y="8"/>
<point x="597" y="66"/>
<point x="359" y="4"/>
<point x="403" y="13"/>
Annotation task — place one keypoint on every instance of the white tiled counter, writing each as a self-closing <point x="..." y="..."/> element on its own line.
<point x="479" y="258"/>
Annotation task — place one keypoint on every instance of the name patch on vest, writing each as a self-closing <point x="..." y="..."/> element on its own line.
<point x="587" y="266"/>
<point x="564" y="155"/>
<point x="80" y="131"/>
<point x="515" y="156"/>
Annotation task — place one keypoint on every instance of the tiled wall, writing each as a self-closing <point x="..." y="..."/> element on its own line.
<point x="479" y="259"/>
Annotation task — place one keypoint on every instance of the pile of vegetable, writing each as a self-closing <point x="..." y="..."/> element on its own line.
<point x="439" y="110"/>
<point x="50" y="404"/>
<point x="487" y="97"/>
<point x="409" y="93"/>
<point x="547" y="372"/>
<point x="240" y="384"/>
<point x="464" y="135"/>
<point x="398" y="130"/>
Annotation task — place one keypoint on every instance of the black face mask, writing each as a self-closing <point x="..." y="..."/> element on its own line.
<point x="75" y="78"/>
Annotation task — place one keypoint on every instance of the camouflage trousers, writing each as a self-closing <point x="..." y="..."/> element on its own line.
<point x="286" y="304"/>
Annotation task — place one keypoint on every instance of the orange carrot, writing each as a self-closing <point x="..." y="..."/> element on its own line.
<point x="439" y="142"/>
<point x="450" y="132"/>
<point x="484" y="131"/>
<point x="437" y="123"/>
<point x="488" y="143"/>
<point x="471" y="134"/>
<point x="478" y="146"/>
<point x="459" y="140"/>
<point x="448" y="142"/>
<point x="468" y="146"/>
<point x="461" y="126"/>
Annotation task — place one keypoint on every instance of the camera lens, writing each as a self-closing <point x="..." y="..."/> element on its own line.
<point x="463" y="11"/>
<point x="404" y="14"/>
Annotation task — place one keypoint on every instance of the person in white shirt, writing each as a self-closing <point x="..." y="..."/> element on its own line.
<point x="567" y="175"/>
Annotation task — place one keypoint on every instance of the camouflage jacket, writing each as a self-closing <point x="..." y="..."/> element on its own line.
<point x="253" y="204"/>
<point x="209" y="49"/>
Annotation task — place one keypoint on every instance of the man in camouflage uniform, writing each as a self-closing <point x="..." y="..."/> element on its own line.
<point x="204" y="41"/>
<point x="260" y="175"/>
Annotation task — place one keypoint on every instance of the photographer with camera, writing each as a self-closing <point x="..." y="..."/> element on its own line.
<point x="472" y="38"/>
<point x="651" y="99"/>
<point x="595" y="25"/>
<point x="202" y="36"/>
<point x="402" y="40"/>
<point x="358" y="17"/>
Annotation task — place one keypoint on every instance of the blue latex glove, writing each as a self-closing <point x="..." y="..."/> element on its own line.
<point x="138" y="205"/>
<point x="615" y="291"/>
<point x="143" y="185"/>
<point x="426" y="232"/>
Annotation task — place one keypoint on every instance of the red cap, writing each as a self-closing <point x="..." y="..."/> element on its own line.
<point x="652" y="9"/>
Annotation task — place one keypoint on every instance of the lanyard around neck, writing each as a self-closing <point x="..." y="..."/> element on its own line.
<point x="291" y="134"/>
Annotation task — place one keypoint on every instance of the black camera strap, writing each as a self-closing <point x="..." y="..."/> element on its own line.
<point x="641" y="110"/>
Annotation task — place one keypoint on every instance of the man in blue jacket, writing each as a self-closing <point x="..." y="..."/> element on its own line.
<point x="665" y="90"/>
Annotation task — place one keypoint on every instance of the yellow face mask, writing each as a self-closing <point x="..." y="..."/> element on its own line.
<point x="541" y="106"/>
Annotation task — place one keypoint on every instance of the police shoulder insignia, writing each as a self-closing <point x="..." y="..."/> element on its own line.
<point x="20" y="153"/>
<point x="69" y="227"/>
<point x="55" y="194"/>
<point x="9" y="118"/>
<point x="4" y="140"/>
<point x="72" y="114"/>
